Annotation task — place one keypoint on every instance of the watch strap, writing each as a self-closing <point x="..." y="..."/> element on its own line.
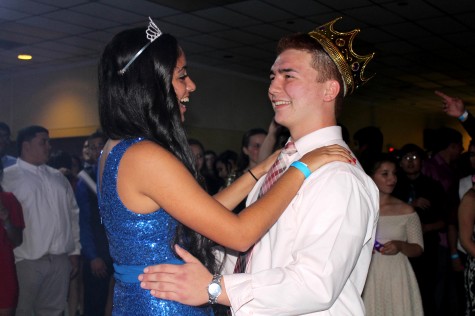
<point x="213" y="299"/>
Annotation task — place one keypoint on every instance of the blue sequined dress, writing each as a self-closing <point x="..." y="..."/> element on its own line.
<point x="136" y="241"/>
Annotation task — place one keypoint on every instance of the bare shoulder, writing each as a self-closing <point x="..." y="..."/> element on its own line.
<point x="400" y="207"/>
<point x="146" y="154"/>
<point x="146" y="149"/>
<point x="469" y="197"/>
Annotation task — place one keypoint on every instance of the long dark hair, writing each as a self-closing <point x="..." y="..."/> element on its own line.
<point x="141" y="102"/>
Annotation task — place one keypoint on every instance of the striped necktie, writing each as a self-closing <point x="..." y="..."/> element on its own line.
<point x="274" y="173"/>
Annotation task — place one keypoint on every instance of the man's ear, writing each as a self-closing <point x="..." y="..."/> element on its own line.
<point x="332" y="88"/>
<point x="25" y="146"/>
<point x="245" y="150"/>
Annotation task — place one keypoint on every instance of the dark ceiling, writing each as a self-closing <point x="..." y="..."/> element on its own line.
<point x="420" y="45"/>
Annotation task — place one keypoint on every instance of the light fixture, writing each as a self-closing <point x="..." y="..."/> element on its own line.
<point x="24" y="57"/>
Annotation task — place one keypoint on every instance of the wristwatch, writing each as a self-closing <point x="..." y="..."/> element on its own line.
<point x="214" y="289"/>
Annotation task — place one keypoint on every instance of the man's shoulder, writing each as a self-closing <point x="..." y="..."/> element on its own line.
<point x="342" y="169"/>
<point x="11" y="170"/>
<point x="8" y="161"/>
<point x="350" y="178"/>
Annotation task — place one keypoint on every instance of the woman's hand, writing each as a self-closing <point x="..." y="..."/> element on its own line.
<point x="323" y="155"/>
<point x="394" y="247"/>
<point x="391" y="248"/>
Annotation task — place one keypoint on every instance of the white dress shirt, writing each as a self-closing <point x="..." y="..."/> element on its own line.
<point x="49" y="208"/>
<point x="315" y="259"/>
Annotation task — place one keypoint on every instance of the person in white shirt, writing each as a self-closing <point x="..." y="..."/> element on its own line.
<point x="315" y="259"/>
<point x="50" y="249"/>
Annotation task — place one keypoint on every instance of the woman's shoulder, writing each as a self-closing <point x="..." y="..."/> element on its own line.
<point x="149" y="157"/>
<point x="469" y="196"/>
<point x="146" y="150"/>
<point x="399" y="207"/>
<point x="470" y="193"/>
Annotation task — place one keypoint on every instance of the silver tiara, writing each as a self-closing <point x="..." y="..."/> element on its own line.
<point x="153" y="32"/>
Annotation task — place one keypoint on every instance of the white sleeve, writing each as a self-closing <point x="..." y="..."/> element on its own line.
<point x="334" y="221"/>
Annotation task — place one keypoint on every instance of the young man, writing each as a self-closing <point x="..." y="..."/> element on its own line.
<point x="97" y="269"/>
<point x="49" y="253"/>
<point x="315" y="259"/>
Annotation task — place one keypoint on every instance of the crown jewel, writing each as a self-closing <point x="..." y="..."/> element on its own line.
<point x="152" y="32"/>
<point x="340" y="48"/>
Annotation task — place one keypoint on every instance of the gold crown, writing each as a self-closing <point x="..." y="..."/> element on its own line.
<point x="339" y="47"/>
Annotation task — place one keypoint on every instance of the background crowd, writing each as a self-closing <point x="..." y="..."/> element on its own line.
<point x="423" y="261"/>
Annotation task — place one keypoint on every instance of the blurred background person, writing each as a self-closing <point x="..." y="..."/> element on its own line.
<point x="427" y="197"/>
<point x="49" y="254"/>
<point x="97" y="262"/>
<point x="5" y="134"/>
<point x="226" y="167"/>
<point x="212" y="183"/>
<point x="11" y="236"/>
<point x="391" y="287"/>
<point x="446" y="145"/>
<point x="250" y="147"/>
<point x="368" y="143"/>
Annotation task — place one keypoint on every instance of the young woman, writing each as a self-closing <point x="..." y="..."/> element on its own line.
<point x="391" y="287"/>
<point x="148" y="193"/>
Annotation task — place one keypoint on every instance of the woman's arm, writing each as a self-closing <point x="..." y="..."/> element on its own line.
<point x="150" y="177"/>
<point x="413" y="247"/>
<point x="466" y="219"/>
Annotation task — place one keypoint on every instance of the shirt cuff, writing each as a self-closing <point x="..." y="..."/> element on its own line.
<point x="239" y="289"/>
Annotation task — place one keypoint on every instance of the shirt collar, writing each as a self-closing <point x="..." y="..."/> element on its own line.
<point x="29" y="167"/>
<point x="319" y="138"/>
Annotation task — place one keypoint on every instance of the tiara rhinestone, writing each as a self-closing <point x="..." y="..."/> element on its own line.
<point x="152" y="32"/>
<point x="340" y="48"/>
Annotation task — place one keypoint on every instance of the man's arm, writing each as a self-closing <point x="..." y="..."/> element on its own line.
<point x="88" y="244"/>
<point x="330" y="236"/>
<point x="455" y="107"/>
<point x="185" y="283"/>
<point x="87" y="239"/>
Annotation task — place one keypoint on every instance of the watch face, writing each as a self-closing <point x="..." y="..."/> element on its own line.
<point x="214" y="289"/>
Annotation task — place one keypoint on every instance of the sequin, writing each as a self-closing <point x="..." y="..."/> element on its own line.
<point x="137" y="239"/>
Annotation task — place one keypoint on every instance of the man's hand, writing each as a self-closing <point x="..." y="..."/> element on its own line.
<point x="98" y="268"/>
<point x="452" y="106"/>
<point x="74" y="259"/>
<point x="185" y="283"/>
